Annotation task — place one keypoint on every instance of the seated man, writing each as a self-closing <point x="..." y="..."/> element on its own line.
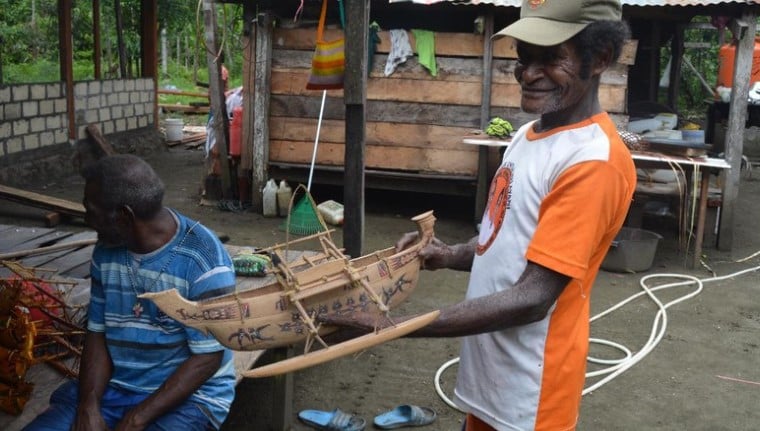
<point x="141" y="369"/>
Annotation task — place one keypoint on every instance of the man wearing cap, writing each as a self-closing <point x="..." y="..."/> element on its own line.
<point x="557" y="200"/>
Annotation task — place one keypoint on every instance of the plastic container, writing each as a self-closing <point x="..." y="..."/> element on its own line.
<point x="331" y="212"/>
<point x="726" y="56"/>
<point x="269" y="199"/>
<point x="694" y="136"/>
<point x="284" y="193"/>
<point x="632" y="250"/>
<point x="668" y="120"/>
<point x="236" y="131"/>
<point x="174" y="128"/>
<point x="661" y="121"/>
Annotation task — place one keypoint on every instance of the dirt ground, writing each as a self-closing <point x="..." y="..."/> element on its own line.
<point x="703" y="374"/>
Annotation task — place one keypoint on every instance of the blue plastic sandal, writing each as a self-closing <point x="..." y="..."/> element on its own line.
<point x="336" y="420"/>
<point x="405" y="416"/>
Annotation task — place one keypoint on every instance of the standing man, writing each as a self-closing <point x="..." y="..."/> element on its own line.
<point x="141" y="369"/>
<point x="557" y="200"/>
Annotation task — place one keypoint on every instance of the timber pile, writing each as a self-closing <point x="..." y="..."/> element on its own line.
<point x="415" y="122"/>
<point x="192" y="137"/>
<point x="184" y="109"/>
<point x="189" y="141"/>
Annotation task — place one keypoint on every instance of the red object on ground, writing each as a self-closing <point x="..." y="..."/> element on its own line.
<point x="236" y="131"/>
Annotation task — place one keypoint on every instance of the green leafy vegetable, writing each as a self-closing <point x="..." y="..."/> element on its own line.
<point x="499" y="128"/>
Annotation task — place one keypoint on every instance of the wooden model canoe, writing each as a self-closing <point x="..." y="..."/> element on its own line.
<point x="283" y="312"/>
<point x="353" y="345"/>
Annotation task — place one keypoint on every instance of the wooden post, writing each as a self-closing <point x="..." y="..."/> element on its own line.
<point x="282" y="393"/>
<point x="219" y="125"/>
<point x="67" y="60"/>
<point x="355" y="98"/>
<point x="737" y="116"/>
<point x="249" y="68"/>
<point x="120" y="39"/>
<point x="261" y="94"/>
<point x="149" y="48"/>
<point x="676" y="56"/>
<point x="654" y="61"/>
<point x="485" y="115"/>
<point x="96" y="37"/>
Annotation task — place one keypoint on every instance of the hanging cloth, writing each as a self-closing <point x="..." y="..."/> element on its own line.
<point x="426" y="49"/>
<point x="399" y="52"/>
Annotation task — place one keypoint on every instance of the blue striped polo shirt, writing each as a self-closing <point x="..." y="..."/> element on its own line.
<point x="146" y="346"/>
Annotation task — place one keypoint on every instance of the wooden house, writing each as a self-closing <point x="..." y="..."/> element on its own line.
<point x="408" y="126"/>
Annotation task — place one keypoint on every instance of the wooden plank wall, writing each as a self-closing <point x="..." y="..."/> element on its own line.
<point x="415" y="122"/>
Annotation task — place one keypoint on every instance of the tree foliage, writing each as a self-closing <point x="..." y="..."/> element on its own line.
<point x="29" y="35"/>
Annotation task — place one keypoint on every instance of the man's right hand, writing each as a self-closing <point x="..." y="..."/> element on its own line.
<point x="439" y="255"/>
<point x="435" y="255"/>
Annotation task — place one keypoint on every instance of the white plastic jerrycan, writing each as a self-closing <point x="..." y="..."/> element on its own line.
<point x="269" y="199"/>
<point x="284" y="194"/>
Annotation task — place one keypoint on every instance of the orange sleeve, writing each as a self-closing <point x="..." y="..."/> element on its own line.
<point x="580" y="210"/>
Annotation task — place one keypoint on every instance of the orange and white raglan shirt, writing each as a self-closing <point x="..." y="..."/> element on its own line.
<point x="558" y="199"/>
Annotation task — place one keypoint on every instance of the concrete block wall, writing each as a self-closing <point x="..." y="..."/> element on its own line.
<point x="113" y="105"/>
<point x="34" y="125"/>
<point x="32" y="116"/>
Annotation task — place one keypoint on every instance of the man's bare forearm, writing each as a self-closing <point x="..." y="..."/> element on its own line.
<point x="95" y="369"/>
<point x="462" y="255"/>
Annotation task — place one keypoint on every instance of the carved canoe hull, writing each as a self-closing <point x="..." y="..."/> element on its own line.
<point x="281" y="313"/>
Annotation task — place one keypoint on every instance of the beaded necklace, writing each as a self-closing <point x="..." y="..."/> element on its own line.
<point x="138" y="309"/>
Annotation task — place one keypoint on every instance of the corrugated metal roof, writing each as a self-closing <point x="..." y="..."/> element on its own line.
<point x="517" y="3"/>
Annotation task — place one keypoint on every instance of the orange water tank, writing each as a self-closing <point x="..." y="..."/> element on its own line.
<point x="236" y="131"/>
<point x="726" y="64"/>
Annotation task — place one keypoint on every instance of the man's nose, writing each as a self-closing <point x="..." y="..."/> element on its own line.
<point x="530" y="72"/>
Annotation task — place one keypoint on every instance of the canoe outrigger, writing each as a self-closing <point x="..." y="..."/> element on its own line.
<point x="283" y="311"/>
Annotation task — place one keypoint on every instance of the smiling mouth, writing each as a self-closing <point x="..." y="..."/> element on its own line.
<point x="537" y="90"/>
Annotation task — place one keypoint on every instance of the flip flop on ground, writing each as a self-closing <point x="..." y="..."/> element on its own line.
<point x="336" y="420"/>
<point x="405" y="416"/>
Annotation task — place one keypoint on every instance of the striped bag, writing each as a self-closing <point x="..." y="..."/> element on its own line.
<point x="328" y="63"/>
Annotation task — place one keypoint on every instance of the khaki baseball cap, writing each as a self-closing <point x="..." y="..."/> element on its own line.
<point x="551" y="22"/>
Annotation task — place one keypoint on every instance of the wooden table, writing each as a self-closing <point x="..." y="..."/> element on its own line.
<point x="697" y="169"/>
<point x="692" y="165"/>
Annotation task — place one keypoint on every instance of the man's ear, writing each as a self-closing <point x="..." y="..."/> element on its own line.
<point x="602" y="61"/>
<point x="127" y="214"/>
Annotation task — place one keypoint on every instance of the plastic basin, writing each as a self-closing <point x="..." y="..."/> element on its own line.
<point x="632" y="250"/>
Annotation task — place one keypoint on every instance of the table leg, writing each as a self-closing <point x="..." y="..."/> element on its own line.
<point x="700" y="234"/>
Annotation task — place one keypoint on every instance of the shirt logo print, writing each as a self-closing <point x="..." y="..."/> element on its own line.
<point x="499" y="198"/>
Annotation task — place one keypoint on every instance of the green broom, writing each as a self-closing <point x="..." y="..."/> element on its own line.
<point x="303" y="218"/>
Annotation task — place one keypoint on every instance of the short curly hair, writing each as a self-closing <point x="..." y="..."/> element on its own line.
<point x="125" y="179"/>
<point x="597" y="37"/>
